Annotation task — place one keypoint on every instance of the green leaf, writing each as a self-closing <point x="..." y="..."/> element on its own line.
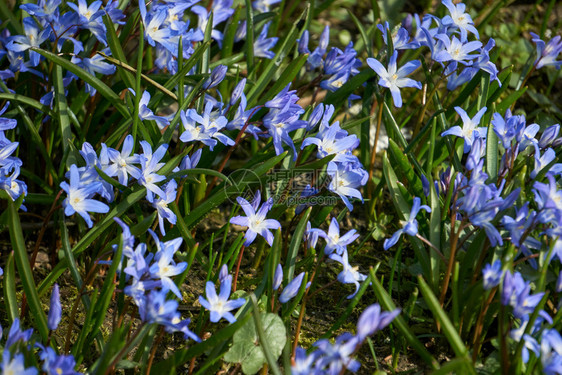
<point x="224" y="192"/>
<point x="399" y="159"/>
<point x="149" y="80"/>
<point x="25" y="272"/>
<point x="435" y="232"/>
<point x="117" y="50"/>
<point x="295" y="245"/>
<point x="441" y="316"/>
<point x="338" y="97"/>
<point x="64" y="122"/>
<point x="289" y="73"/>
<point x="267" y="75"/>
<point x="27" y="101"/>
<point x="364" y="35"/>
<point x="181" y="356"/>
<point x="96" y="83"/>
<point x="10" y="300"/>
<point x="492" y="153"/>
<point x="398" y="199"/>
<point x="244" y="348"/>
<point x="386" y="302"/>
<point x="7" y="14"/>
<point x="249" y="37"/>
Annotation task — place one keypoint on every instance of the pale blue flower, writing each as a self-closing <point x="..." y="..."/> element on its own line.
<point x="395" y="78"/>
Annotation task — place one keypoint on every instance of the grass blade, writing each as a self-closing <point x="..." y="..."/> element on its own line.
<point x="10" y="300"/>
<point x="387" y="303"/>
<point x="448" y="329"/>
<point x="25" y="273"/>
<point x="95" y="82"/>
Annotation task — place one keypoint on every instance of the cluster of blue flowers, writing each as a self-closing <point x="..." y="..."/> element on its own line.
<point x="335" y="358"/>
<point x="529" y="221"/>
<point x="86" y="182"/>
<point x="448" y="41"/>
<point x="525" y="221"/>
<point x="10" y="165"/>
<point x="21" y="348"/>
<point x="337" y="66"/>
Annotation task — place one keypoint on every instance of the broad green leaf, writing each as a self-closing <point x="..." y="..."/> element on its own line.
<point x="181" y="356"/>
<point x="244" y="349"/>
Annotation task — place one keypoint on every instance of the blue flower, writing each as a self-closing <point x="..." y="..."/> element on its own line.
<point x="156" y="309"/>
<point x="90" y="17"/>
<point x="315" y="57"/>
<point x="373" y="320"/>
<point x="335" y="243"/>
<point x="336" y="357"/>
<point x="216" y="77"/>
<point x="542" y="161"/>
<point x="400" y="40"/>
<point x="506" y="129"/>
<point x="44" y="9"/>
<point x="16" y="334"/>
<point x="333" y="140"/>
<point x="283" y="118"/>
<point x="255" y="219"/>
<point x="161" y="205"/>
<point x="530" y="343"/>
<point x="33" y="38"/>
<point x="219" y="305"/>
<point x="55" y="310"/>
<point x="410" y="227"/>
<point x="547" y="52"/>
<point x="164" y="267"/>
<point x="54" y="364"/>
<point x="122" y="162"/>
<point x="492" y="274"/>
<point x="349" y="274"/>
<point x="263" y="44"/>
<point x="146" y="113"/>
<point x="304" y="363"/>
<point x="206" y="128"/>
<point x="469" y="130"/>
<point x="549" y="135"/>
<point x="346" y="179"/>
<point x="459" y="18"/>
<point x="394" y="78"/>
<point x="79" y="197"/>
<point x="15" y="365"/>
<point x="277" y="277"/>
<point x="292" y="289"/>
<point x="456" y="51"/>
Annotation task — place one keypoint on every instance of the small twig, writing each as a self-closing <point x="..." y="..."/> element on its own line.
<point x="238" y="268"/>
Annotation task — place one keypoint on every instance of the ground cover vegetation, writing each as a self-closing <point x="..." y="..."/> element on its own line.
<point x="277" y="186"/>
